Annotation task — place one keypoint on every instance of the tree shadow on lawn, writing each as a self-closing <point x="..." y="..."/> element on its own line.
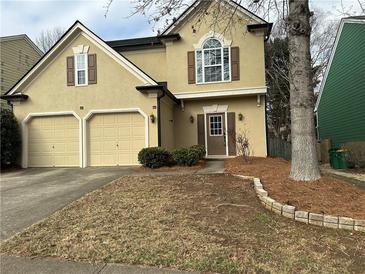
<point x="205" y="223"/>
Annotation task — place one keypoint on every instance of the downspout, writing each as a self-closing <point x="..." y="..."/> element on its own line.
<point x="266" y="128"/>
<point x="159" y="117"/>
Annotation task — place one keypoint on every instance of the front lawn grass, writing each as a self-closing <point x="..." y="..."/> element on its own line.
<point x="205" y="223"/>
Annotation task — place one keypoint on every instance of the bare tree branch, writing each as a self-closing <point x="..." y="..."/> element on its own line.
<point x="48" y="38"/>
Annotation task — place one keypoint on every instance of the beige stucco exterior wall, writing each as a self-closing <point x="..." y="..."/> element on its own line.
<point x="170" y="64"/>
<point x="115" y="89"/>
<point x="253" y="123"/>
<point x="152" y="61"/>
<point x="252" y="66"/>
<point x="167" y="107"/>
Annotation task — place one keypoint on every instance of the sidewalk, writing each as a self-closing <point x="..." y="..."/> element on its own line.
<point x="357" y="179"/>
<point x="211" y="167"/>
<point x="23" y="265"/>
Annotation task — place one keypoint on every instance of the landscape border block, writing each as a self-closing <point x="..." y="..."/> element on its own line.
<point x="316" y="219"/>
<point x="330" y="221"/>
<point x="301" y="216"/>
<point x="346" y="223"/>
<point x="290" y="211"/>
<point x="359" y="225"/>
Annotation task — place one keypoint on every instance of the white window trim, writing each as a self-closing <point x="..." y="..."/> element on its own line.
<point x="86" y="70"/>
<point x="202" y="50"/>
<point x="221" y="128"/>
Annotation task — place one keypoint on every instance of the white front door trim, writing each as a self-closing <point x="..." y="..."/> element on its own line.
<point x="46" y="114"/>
<point x="101" y="111"/>
<point x="215" y="109"/>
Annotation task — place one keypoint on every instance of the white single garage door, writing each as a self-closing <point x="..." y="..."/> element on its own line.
<point x="53" y="141"/>
<point x="115" y="139"/>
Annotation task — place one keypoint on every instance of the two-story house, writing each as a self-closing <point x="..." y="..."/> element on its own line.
<point x="89" y="102"/>
<point x="18" y="54"/>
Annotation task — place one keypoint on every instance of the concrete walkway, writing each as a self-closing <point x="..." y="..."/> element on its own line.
<point x="357" y="179"/>
<point x="22" y="265"/>
<point x="212" y="167"/>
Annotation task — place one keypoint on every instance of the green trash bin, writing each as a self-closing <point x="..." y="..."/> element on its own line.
<point x="333" y="158"/>
<point x="338" y="158"/>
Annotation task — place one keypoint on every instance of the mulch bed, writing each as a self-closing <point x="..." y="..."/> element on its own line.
<point x="208" y="223"/>
<point x="326" y="195"/>
<point x="198" y="166"/>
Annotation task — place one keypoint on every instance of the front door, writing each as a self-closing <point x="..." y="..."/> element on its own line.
<point x="216" y="137"/>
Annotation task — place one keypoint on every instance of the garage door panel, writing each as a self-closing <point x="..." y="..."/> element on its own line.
<point x="115" y="138"/>
<point x="41" y="160"/>
<point x="138" y="131"/>
<point x="53" y="141"/>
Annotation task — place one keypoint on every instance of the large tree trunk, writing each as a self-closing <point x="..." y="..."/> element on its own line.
<point x="304" y="166"/>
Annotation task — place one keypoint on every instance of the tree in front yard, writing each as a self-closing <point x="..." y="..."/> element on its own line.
<point x="10" y="138"/>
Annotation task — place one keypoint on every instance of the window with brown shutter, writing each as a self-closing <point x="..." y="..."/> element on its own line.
<point x="231" y="125"/>
<point x="191" y="67"/>
<point x="201" y="129"/>
<point x="91" y="63"/>
<point x="235" y="63"/>
<point x="70" y="70"/>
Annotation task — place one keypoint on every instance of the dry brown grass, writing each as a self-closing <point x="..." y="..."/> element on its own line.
<point x="205" y="223"/>
<point x="327" y="195"/>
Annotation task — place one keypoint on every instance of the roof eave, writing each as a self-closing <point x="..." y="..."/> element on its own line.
<point x="15" y="97"/>
<point x="153" y="88"/>
<point x="267" y="27"/>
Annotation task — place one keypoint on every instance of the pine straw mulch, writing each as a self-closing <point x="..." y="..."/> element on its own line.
<point x="326" y="195"/>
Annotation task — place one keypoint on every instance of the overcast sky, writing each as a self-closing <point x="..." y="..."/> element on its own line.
<point x="31" y="17"/>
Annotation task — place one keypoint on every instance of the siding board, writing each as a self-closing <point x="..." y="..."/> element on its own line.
<point x="341" y="111"/>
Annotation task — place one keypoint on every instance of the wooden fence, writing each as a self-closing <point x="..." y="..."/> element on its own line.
<point x="279" y="148"/>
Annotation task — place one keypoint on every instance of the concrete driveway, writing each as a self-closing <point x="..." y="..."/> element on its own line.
<point x="29" y="195"/>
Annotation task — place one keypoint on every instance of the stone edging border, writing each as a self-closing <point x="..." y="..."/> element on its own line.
<point x="290" y="212"/>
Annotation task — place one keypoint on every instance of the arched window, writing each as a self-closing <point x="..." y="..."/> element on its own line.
<point x="212" y="62"/>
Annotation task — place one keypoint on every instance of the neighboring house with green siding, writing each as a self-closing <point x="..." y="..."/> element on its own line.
<point x="17" y="55"/>
<point x="340" y="108"/>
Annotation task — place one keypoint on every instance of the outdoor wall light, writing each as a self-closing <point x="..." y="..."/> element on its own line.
<point x="191" y="118"/>
<point x="153" y="118"/>
<point x="240" y="116"/>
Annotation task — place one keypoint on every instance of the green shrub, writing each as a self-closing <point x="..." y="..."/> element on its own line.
<point x="154" y="157"/>
<point x="200" y="149"/>
<point x="10" y="138"/>
<point x="186" y="156"/>
<point x="355" y="153"/>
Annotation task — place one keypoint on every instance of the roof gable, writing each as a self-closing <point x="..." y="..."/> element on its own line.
<point x="22" y="37"/>
<point x="53" y="52"/>
<point x="349" y="20"/>
<point x="228" y="3"/>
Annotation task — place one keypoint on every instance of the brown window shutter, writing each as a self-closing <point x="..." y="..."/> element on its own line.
<point x="235" y="63"/>
<point x="91" y="63"/>
<point x="70" y="70"/>
<point x="201" y="130"/>
<point x="191" y="67"/>
<point x="231" y="124"/>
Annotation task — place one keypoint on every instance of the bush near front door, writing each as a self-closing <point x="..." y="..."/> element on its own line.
<point x="155" y="157"/>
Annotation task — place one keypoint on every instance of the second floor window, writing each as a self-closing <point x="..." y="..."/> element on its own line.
<point x="213" y="62"/>
<point x="81" y="69"/>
